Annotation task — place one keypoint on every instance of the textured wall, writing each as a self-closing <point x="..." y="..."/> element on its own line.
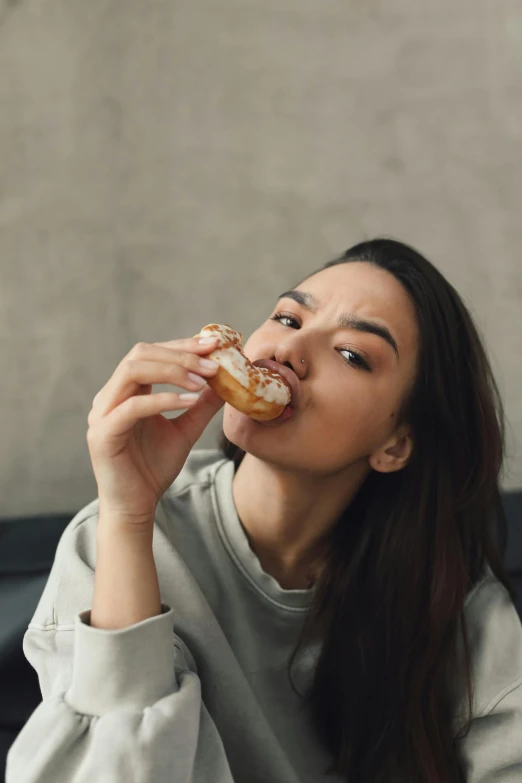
<point x="168" y="164"/>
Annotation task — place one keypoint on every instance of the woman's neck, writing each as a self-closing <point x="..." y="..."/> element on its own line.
<point x="287" y="516"/>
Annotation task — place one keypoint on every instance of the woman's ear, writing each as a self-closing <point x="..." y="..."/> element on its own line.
<point x="395" y="453"/>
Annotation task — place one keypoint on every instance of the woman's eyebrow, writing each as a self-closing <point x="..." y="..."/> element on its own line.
<point x="345" y="320"/>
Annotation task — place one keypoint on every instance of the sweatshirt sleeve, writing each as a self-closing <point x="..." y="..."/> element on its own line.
<point x="492" y="750"/>
<point x="118" y="705"/>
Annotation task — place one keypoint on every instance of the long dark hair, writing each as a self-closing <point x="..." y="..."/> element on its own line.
<point x="388" y="605"/>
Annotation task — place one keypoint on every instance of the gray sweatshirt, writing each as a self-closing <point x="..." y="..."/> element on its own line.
<point x="200" y="693"/>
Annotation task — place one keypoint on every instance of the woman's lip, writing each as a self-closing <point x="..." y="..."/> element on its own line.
<point x="287" y="374"/>
<point x="288" y="413"/>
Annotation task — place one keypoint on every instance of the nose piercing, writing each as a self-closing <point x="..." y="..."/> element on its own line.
<point x="302" y="360"/>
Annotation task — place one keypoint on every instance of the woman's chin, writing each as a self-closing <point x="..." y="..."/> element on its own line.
<point x="238" y="427"/>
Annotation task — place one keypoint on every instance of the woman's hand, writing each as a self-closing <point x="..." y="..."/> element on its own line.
<point x="137" y="453"/>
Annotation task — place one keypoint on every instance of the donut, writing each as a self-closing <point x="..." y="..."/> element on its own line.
<point x="259" y="392"/>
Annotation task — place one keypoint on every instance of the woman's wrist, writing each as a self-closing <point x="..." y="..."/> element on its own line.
<point x="126" y="586"/>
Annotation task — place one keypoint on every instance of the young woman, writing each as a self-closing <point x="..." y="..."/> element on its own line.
<point x="322" y="598"/>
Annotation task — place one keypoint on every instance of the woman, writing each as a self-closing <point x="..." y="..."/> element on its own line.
<point x="366" y="532"/>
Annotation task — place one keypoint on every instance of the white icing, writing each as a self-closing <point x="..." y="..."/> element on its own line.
<point x="235" y="363"/>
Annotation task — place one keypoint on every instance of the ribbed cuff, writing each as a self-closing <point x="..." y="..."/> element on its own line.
<point x="127" y="667"/>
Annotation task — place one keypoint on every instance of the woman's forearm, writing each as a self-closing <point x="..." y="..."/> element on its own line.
<point x="126" y="586"/>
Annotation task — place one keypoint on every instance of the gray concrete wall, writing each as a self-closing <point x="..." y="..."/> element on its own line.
<point x="168" y="164"/>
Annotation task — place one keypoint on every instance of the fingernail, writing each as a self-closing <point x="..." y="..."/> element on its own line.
<point x="207" y="340"/>
<point x="207" y="364"/>
<point x="196" y="379"/>
<point x="189" y="396"/>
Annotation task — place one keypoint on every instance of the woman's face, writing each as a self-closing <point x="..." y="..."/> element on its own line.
<point x="352" y="382"/>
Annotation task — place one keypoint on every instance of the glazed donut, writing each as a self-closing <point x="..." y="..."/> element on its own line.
<point x="258" y="392"/>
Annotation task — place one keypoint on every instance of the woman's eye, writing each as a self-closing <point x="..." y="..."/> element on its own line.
<point x="360" y="363"/>
<point x="280" y="316"/>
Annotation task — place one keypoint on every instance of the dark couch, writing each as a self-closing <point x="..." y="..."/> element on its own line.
<point x="27" y="547"/>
